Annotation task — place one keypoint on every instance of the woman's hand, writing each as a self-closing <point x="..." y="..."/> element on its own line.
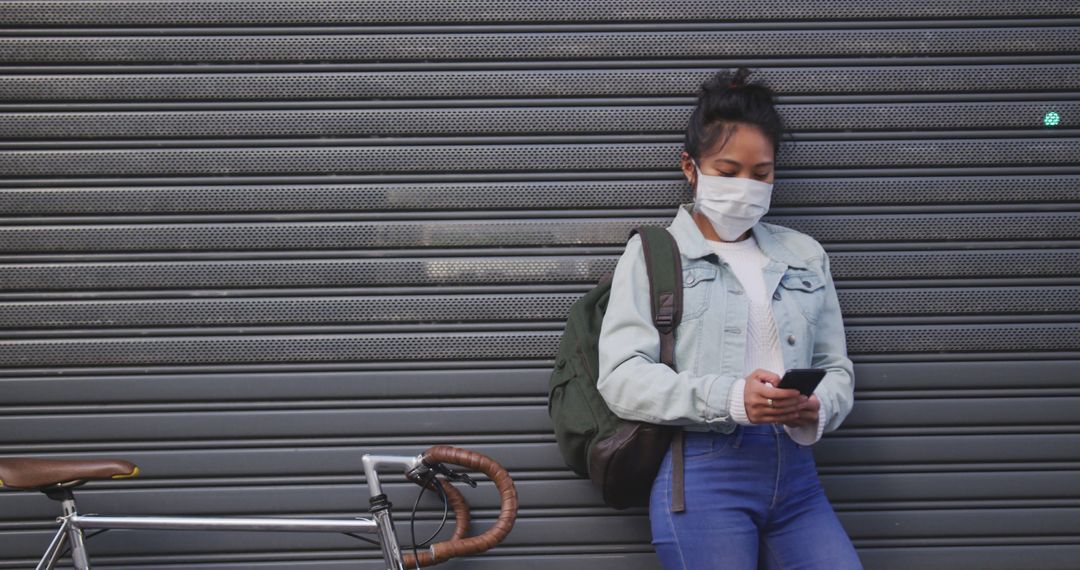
<point x="808" y="412"/>
<point x="789" y="407"/>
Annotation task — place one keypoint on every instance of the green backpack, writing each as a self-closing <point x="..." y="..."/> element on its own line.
<point x="621" y="457"/>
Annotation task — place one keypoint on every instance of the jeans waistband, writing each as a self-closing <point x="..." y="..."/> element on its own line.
<point x="763" y="429"/>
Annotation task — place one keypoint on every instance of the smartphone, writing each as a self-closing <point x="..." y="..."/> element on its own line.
<point x="803" y="379"/>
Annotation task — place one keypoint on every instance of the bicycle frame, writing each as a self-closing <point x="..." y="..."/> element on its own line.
<point x="72" y="523"/>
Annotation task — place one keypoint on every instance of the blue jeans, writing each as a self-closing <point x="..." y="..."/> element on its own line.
<point x="753" y="500"/>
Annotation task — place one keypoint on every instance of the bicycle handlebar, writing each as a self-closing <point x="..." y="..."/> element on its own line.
<point x="459" y="545"/>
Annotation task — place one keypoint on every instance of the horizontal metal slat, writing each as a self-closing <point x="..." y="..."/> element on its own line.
<point x="952" y="411"/>
<point x="491" y="308"/>
<point x="518" y="158"/>
<point x="481" y="11"/>
<point x="551" y="194"/>
<point x="543" y="45"/>
<point x="945" y="264"/>
<point x="493" y="271"/>
<point x="957" y="523"/>
<point x="835" y="454"/>
<point x="271" y="387"/>
<point x="929" y="339"/>
<point x="840" y="453"/>
<point x="282" y="348"/>
<point x="327" y="272"/>
<point x="504" y="420"/>
<point x="350" y="122"/>
<point x="941" y="413"/>
<point x="598" y="120"/>
<point x="281" y="311"/>
<point x="958" y="301"/>
<point x="1057" y="556"/>
<point x="483" y="345"/>
<point x="282" y="387"/>
<point x="927" y="379"/>
<point x="336" y="235"/>
<point x="505" y="233"/>
<point x="988" y="486"/>
<point x="864" y="79"/>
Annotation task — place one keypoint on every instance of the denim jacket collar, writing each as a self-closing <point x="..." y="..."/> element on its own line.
<point x="692" y="243"/>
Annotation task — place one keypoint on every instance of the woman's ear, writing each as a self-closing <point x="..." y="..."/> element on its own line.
<point x="687" y="166"/>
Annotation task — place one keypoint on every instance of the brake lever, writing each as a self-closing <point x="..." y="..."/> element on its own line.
<point x="453" y="475"/>
<point x="425" y="472"/>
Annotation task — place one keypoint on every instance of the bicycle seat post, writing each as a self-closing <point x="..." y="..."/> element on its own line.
<point x="79" y="558"/>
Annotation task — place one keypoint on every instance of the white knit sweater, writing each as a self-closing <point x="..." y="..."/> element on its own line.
<point x="762" y="341"/>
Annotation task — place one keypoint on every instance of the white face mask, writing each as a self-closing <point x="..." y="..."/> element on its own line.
<point x="732" y="204"/>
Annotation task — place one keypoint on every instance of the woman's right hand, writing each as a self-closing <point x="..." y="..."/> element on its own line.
<point x="760" y="386"/>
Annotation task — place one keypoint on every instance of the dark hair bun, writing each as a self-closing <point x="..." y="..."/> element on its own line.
<point x="740" y="77"/>
<point x="723" y="81"/>
<point x="726" y="97"/>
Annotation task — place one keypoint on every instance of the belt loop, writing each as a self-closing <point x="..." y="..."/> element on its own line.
<point x="738" y="435"/>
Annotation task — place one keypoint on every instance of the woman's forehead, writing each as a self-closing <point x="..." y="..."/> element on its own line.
<point x="743" y="144"/>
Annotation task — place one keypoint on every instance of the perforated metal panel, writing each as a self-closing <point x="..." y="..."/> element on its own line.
<point x="244" y="241"/>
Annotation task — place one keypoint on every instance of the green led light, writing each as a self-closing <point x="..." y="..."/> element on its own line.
<point x="1051" y="119"/>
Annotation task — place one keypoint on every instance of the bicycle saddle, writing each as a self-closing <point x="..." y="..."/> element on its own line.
<point x="33" y="473"/>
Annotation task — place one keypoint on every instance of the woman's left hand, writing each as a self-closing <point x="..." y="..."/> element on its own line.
<point x="808" y="412"/>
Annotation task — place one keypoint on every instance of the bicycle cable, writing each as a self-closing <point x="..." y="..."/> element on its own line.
<point x="414" y="546"/>
<point x="432" y="476"/>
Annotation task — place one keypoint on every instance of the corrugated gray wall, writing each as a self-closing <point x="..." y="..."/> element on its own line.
<point x="244" y="242"/>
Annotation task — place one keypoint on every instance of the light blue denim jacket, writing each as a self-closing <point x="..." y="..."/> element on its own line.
<point x="710" y="342"/>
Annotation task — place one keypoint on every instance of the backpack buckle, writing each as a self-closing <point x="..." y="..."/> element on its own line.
<point x="665" y="314"/>
<point x="664" y="319"/>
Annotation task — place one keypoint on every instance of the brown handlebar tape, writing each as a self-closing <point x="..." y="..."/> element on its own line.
<point x="458" y="506"/>
<point x="458" y="545"/>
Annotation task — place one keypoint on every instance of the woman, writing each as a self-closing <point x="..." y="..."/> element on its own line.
<point x="758" y="299"/>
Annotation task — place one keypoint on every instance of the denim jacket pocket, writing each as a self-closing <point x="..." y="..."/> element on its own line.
<point x="808" y="290"/>
<point x="697" y="281"/>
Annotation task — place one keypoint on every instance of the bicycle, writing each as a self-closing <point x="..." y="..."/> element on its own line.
<point x="57" y="478"/>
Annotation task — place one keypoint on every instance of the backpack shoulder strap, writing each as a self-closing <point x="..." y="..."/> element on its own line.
<point x="665" y="285"/>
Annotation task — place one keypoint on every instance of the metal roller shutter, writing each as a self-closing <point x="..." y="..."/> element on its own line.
<point x="244" y="241"/>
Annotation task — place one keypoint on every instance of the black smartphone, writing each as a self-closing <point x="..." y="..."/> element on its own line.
<point x="803" y="379"/>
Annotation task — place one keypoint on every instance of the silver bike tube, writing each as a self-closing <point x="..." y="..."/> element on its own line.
<point x="225" y="523"/>
<point x="373" y="463"/>
<point x="391" y="550"/>
<point x="79" y="558"/>
<point x="380" y="505"/>
<point x="52" y="553"/>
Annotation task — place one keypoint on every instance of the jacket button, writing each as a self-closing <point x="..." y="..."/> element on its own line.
<point x="776" y="295"/>
<point x="561" y="363"/>
<point x="791" y="339"/>
<point x="806" y="283"/>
